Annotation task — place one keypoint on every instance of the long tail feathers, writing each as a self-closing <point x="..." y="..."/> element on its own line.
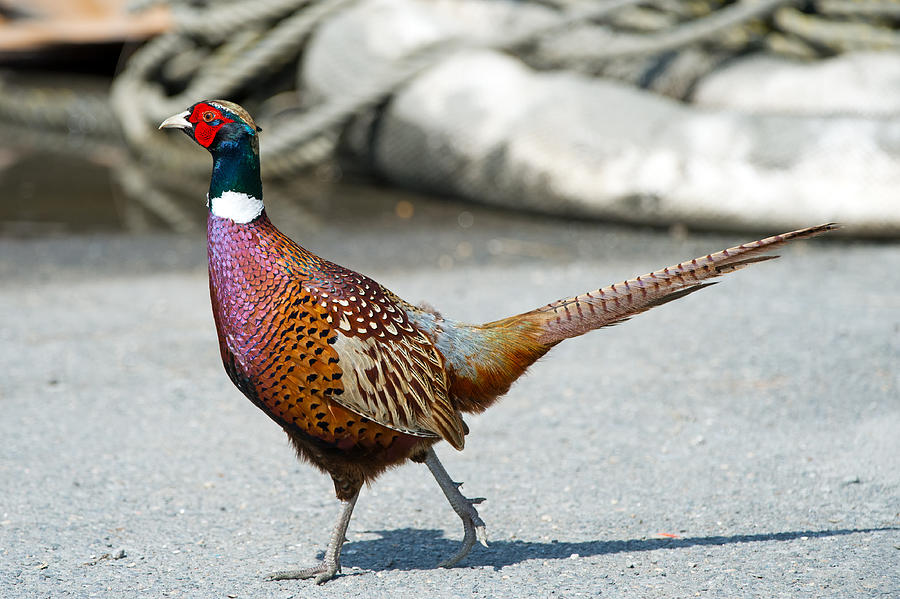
<point x="607" y="306"/>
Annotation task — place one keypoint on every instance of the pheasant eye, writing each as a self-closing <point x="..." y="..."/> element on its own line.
<point x="209" y="116"/>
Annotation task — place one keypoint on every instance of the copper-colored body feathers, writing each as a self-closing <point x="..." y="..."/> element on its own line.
<point x="360" y="379"/>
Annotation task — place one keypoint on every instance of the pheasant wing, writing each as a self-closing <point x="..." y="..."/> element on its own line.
<point x="391" y="371"/>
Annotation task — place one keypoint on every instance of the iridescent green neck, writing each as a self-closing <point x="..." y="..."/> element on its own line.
<point x="236" y="167"/>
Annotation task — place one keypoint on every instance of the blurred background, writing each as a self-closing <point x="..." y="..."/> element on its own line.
<point x="704" y="114"/>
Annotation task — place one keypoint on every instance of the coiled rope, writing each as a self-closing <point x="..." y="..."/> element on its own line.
<point x="235" y="50"/>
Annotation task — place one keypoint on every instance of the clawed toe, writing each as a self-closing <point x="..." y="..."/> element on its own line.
<point x="464" y="507"/>
<point x="323" y="572"/>
<point x="331" y="563"/>
<point x="474" y="529"/>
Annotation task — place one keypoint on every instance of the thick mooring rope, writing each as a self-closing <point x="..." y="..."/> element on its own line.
<point x="242" y="51"/>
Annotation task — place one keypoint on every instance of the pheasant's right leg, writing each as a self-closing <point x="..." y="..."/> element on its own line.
<point x="331" y="564"/>
<point x="462" y="505"/>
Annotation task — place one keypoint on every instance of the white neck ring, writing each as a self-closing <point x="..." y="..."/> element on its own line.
<point x="239" y="207"/>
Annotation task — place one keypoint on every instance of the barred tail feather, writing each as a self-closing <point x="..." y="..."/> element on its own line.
<point x="610" y="305"/>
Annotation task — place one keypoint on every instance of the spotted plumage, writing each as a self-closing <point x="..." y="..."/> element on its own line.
<point x="292" y="340"/>
<point x="359" y="379"/>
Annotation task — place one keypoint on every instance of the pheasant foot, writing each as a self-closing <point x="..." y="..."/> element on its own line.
<point x="464" y="507"/>
<point x="331" y="563"/>
<point x="323" y="572"/>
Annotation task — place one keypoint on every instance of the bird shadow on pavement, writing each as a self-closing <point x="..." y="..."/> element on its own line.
<point x="423" y="549"/>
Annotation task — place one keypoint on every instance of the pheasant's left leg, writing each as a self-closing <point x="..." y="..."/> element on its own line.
<point x="331" y="564"/>
<point x="462" y="505"/>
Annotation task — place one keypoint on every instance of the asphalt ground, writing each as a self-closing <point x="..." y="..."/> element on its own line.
<point x="741" y="442"/>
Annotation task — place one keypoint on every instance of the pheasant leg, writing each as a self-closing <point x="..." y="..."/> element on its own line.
<point x="331" y="563"/>
<point x="464" y="507"/>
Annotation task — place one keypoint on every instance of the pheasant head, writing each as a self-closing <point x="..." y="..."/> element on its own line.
<point x="231" y="136"/>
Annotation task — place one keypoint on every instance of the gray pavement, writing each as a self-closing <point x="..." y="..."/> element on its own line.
<point x="742" y="442"/>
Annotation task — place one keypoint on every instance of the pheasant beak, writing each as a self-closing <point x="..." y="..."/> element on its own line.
<point x="177" y="121"/>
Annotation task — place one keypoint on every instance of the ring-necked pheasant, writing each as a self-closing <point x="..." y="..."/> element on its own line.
<point x="359" y="379"/>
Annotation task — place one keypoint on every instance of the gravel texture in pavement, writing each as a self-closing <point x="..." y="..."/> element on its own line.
<point x="741" y="442"/>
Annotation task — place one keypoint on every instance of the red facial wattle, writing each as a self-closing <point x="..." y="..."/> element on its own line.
<point x="207" y="121"/>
